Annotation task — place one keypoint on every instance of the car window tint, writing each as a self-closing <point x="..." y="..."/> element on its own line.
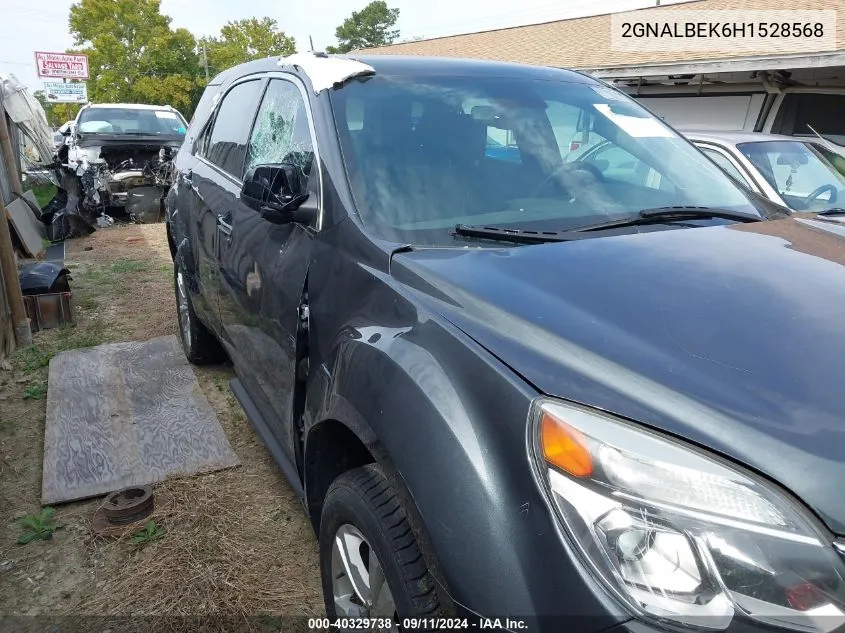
<point x="201" y="144"/>
<point x="618" y="165"/>
<point x="501" y="141"/>
<point x="724" y="162"/>
<point x="801" y="176"/>
<point x="282" y="133"/>
<point x="426" y="153"/>
<point x="227" y="144"/>
<point x="566" y="122"/>
<point x="835" y="159"/>
<point x="131" y="121"/>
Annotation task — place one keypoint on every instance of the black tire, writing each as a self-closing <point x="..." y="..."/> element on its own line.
<point x="200" y="346"/>
<point x="365" y="499"/>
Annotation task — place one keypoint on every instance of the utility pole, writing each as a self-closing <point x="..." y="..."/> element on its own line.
<point x="8" y="264"/>
<point x="205" y="61"/>
<point x="311" y="40"/>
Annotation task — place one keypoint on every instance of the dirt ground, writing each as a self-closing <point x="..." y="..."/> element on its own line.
<point x="236" y="545"/>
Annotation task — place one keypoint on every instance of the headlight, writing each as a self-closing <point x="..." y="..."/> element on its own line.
<point x="680" y="536"/>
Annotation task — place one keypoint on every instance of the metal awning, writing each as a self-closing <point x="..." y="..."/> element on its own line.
<point x="710" y="66"/>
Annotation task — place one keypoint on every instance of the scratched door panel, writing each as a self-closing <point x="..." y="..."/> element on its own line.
<point x="264" y="266"/>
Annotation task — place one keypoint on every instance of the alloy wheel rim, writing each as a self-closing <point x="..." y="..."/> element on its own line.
<point x="359" y="587"/>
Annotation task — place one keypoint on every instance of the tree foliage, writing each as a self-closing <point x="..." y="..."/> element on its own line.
<point x="246" y="40"/>
<point x="369" y="27"/>
<point x="133" y="54"/>
<point x="52" y="119"/>
<point x="136" y="57"/>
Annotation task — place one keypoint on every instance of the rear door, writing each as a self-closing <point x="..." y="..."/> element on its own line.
<point x="216" y="181"/>
<point x="264" y="265"/>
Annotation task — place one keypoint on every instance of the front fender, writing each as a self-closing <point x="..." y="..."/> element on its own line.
<point x="450" y="419"/>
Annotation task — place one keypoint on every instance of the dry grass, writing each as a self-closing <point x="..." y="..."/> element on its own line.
<point x="237" y="546"/>
<point x="230" y="555"/>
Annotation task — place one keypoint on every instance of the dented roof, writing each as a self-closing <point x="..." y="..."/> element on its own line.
<point x="326" y="71"/>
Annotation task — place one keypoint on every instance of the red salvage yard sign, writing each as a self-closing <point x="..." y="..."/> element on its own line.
<point x="61" y="65"/>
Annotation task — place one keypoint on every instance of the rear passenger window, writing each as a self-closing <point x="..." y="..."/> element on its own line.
<point x="501" y="141"/>
<point x="282" y="133"/>
<point x="226" y="146"/>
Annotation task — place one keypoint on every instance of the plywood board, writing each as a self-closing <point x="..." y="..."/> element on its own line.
<point x="30" y="230"/>
<point x="33" y="203"/>
<point x="126" y="414"/>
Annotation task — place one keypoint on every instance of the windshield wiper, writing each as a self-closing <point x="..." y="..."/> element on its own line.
<point x="833" y="211"/>
<point x="519" y="236"/>
<point x="671" y="214"/>
<point x="646" y="216"/>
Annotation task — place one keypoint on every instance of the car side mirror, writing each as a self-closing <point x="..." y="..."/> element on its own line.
<point x="275" y="192"/>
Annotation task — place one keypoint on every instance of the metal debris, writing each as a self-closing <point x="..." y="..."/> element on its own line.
<point x="43" y="277"/>
<point x="121" y="509"/>
<point x="104" y="221"/>
<point x="128" y="505"/>
<point x="144" y="204"/>
<point x="107" y="176"/>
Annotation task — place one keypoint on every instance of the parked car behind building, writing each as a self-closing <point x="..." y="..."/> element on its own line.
<point x="507" y="385"/>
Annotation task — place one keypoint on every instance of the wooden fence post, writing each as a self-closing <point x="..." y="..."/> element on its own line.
<point x="8" y="263"/>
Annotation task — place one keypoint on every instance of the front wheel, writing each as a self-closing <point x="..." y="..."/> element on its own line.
<point x="370" y="561"/>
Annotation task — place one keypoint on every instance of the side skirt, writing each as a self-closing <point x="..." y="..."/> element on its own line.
<point x="273" y="446"/>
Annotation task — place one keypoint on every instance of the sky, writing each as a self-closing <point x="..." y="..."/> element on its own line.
<point x="30" y="25"/>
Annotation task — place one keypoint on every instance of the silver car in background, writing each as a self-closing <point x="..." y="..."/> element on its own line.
<point x="789" y="171"/>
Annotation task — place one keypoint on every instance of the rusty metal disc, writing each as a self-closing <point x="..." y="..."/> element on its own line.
<point x="128" y="505"/>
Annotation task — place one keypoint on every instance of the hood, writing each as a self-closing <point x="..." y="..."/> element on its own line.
<point x="732" y="337"/>
<point x="129" y="140"/>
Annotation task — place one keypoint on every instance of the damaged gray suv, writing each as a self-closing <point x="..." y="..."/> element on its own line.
<point x="516" y="386"/>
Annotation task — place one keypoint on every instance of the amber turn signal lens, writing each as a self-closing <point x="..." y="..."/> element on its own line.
<point x="565" y="447"/>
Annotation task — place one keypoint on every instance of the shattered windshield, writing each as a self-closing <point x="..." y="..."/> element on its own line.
<point x="131" y="121"/>
<point x="424" y="154"/>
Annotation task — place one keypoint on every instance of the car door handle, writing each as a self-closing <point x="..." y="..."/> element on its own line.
<point x="224" y="223"/>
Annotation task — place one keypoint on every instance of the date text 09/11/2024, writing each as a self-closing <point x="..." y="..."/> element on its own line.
<point x="420" y="624"/>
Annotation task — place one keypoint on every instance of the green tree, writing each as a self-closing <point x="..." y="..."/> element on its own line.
<point x="245" y="40"/>
<point x="57" y="113"/>
<point x="371" y="26"/>
<point x="134" y="55"/>
<point x="52" y="119"/>
<point x="64" y="112"/>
